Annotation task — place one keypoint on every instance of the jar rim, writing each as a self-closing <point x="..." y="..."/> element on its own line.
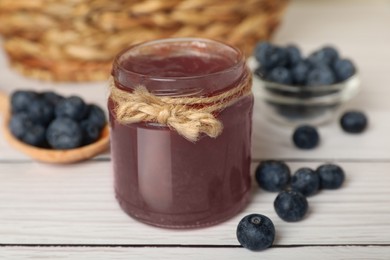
<point x="239" y="61"/>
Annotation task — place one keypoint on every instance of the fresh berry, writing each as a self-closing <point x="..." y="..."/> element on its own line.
<point x="19" y="124"/>
<point x="21" y="100"/>
<point x="299" y="73"/>
<point x="324" y="56"/>
<point x="291" y="206"/>
<point x="331" y="53"/>
<point x="35" y="136"/>
<point x="273" y="175"/>
<point x="320" y="76"/>
<point x="343" y="69"/>
<point x="280" y="75"/>
<point x="72" y="107"/>
<point x="64" y="133"/>
<point x="91" y="132"/>
<point x="96" y="116"/>
<point x="331" y="176"/>
<point x="24" y="129"/>
<point x="293" y="55"/>
<point x="269" y="55"/>
<point x="52" y="97"/>
<point x="255" y="232"/>
<point x="306" y="137"/>
<point x="305" y="181"/>
<point x="41" y="111"/>
<point x="353" y="122"/>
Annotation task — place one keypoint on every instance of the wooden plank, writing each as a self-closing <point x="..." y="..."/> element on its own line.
<point x="103" y="253"/>
<point x="45" y="204"/>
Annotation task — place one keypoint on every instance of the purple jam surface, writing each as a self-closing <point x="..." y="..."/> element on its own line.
<point x="177" y="66"/>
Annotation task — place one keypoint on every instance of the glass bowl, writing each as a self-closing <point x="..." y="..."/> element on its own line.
<point x="296" y="105"/>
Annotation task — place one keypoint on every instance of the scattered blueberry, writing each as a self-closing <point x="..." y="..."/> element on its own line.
<point x="72" y="107"/>
<point x="331" y="176"/>
<point x="41" y="111"/>
<point x="343" y="69"/>
<point x="306" y="137"/>
<point x="21" y="100"/>
<point x="353" y="122"/>
<point x="255" y="232"/>
<point x="299" y="73"/>
<point x="291" y="206"/>
<point x="320" y="76"/>
<point x="64" y="133"/>
<point x="305" y="181"/>
<point x="269" y="55"/>
<point x="273" y="175"/>
<point x="293" y="55"/>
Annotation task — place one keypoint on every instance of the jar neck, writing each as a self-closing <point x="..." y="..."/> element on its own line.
<point x="180" y="67"/>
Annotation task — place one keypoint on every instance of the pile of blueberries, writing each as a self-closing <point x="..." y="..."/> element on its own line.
<point x="286" y="65"/>
<point x="256" y="231"/>
<point x="51" y="121"/>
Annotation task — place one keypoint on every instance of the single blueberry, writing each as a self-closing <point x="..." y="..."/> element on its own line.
<point x="73" y="107"/>
<point x="91" y="132"/>
<point x="280" y="75"/>
<point x="255" y="232"/>
<point x="19" y="124"/>
<point x="273" y="175"/>
<point x="21" y="100"/>
<point x="293" y="55"/>
<point x="299" y="73"/>
<point x="41" y="111"/>
<point x="52" y="97"/>
<point x="343" y="69"/>
<point x="353" y="122"/>
<point x="331" y="176"/>
<point x="64" y="133"/>
<point x="305" y="181"/>
<point x="269" y="55"/>
<point x="306" y="137"/>
<point x="96" y="116"/>
<point x="24" y="129"/>
<point x="35" y="136"/>
<point x="324" y="56"/>
<point x="291" y="206"/>
<point x="320" y="76"/>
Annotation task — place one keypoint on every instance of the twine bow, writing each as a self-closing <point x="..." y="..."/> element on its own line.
<point x="189" y="116"/>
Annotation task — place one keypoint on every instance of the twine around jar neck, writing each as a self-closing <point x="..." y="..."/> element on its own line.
<point x="189" y="116"/>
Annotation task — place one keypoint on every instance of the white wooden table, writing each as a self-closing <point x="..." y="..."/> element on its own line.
<point x="69" y="212"/>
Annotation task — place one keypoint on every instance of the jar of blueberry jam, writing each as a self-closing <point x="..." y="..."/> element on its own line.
<point x="160" y="177"/>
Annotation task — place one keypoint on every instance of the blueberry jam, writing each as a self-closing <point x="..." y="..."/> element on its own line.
<point x="160" y="177"/>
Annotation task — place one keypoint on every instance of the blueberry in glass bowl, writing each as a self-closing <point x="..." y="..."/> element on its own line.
<point x="302" y="90"/>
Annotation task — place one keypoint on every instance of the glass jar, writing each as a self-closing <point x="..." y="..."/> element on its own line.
<point x="160" y="177"/>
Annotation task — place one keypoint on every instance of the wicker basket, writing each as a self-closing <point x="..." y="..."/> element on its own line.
<point x="76" y="40"/>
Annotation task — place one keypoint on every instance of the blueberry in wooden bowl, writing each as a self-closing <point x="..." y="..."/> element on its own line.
<point x="53" y="129"/>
